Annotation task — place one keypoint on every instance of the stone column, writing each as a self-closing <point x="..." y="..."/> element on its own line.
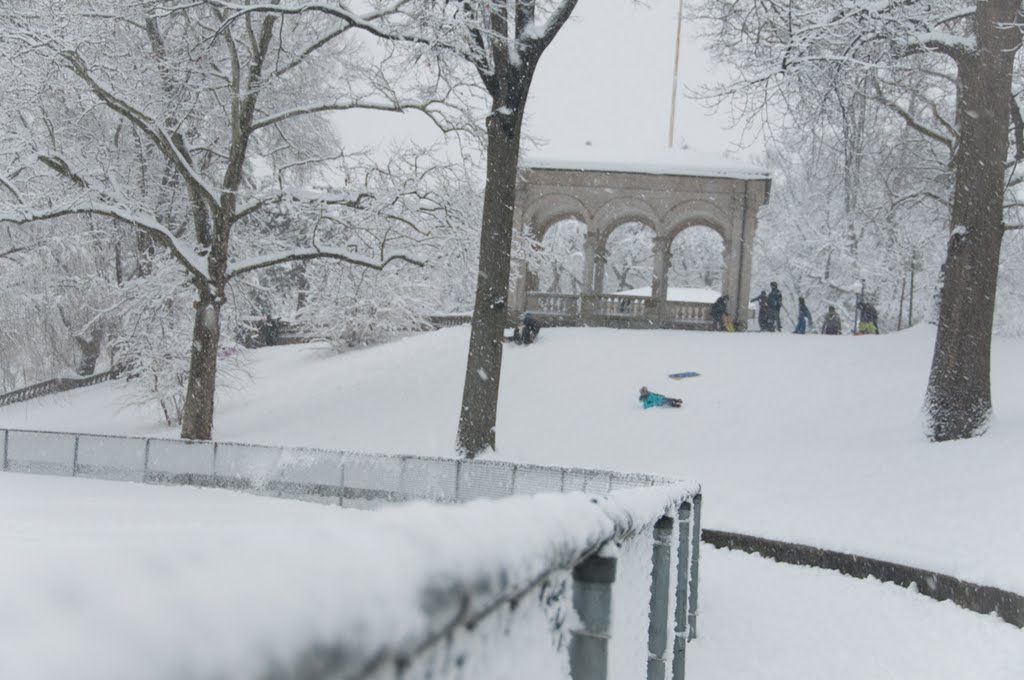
<point x="730" y="264"/>
<point x="590" y="247"/>
<point x="519" y="285"/>
<point x="600" y="257"/>
<point x="753" y="196"/>
<point x="662" y="262"/>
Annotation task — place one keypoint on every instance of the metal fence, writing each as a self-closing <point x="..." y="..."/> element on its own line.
<point x="642" y="572"/>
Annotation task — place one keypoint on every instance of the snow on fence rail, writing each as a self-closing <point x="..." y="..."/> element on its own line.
<point x="584" y="586"/>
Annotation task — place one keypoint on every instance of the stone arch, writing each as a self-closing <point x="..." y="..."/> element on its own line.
<point x="697" y="213"/>
<point x="620" y="211"/>
<point x="549" y="209"/>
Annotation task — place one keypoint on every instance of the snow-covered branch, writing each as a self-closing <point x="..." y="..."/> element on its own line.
<point x="350" y="105"/>
<point x="355" y="200"/>
<point x="537" y="38"/>
<point x="9" y="185"/>
<point x="956" y="47"/>
<point x="316" y="253"/>
<point x="370" y="22"/>
<point x="912" y="121"/>
<point x="181" y="251"/>
<point x="162" y="138"/>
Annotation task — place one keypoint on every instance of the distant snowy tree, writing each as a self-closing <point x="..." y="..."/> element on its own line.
<point x="559" y="264"/>
<point x="629" y="257"/>
<point x="697" y="259"/>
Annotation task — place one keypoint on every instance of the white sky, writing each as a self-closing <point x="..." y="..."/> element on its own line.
<point x="606" y="79"/>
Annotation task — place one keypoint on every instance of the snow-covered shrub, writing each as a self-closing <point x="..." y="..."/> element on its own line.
<point x="152" y="352"/>
<point x="153" y="349"/>
<point x="354" y="307"/>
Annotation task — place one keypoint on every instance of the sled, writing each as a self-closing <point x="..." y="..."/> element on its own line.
<point x="685" y="374"/>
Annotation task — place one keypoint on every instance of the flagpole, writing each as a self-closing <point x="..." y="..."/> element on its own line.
<point x="675" y="77"/>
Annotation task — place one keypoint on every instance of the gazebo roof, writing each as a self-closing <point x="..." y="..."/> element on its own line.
<point x="641" y="161"/>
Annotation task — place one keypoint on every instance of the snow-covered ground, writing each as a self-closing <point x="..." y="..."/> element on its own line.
<point x="769" y="621"/>
<point x="811" y="438"/>
<point x="804" y="438"/>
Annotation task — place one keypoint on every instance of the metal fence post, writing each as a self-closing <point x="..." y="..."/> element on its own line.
<point x="682" y="594"/>
<point x="661" y="574"/>
<point x="592" y="598"/>
<point x="691" y="622"/>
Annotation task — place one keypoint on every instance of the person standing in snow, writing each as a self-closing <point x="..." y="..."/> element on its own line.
<point x="868" y="318"/>
<point x="763" y="315"/>
<point x="775" y="308"/>
<point x="832" y="325"/>
<point x="803" y="319"/>
<point x="651" y="399"/>
<point x="718" y="313"/>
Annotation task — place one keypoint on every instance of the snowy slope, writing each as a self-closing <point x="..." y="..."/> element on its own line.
<point x="805" y="438"/>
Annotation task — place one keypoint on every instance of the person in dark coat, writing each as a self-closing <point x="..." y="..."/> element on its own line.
<point x="527" y="330"/>
<point x="763" y="314"/>
<point x="803" y="319"/>
<point x="775" y="308"/>
<point x="718" y="313"/>
<point x="832" y="325"/>
<point x="868" y="318"/>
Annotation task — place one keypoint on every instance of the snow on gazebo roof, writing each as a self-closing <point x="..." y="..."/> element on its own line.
<point x="644" y="161"/>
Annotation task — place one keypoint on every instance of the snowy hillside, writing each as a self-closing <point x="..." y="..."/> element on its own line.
<point x="804" y="438"/>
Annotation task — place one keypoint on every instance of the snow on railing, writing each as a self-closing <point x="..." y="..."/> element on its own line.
<point x="598" y="584"/>
<point x="595" y="309"/>
<point x="52" y="386"/>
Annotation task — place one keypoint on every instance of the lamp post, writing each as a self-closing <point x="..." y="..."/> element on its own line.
<point x="675" y="77"/>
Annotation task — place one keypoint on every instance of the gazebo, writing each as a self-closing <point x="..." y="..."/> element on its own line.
<point x="667" y="191"/>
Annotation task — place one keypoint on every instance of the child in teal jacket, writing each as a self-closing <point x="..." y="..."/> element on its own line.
<point x="650" y="399"/>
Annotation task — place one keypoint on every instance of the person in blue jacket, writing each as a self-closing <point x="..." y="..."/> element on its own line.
<point x="803" y="319"/>
<point x="651" y="399"/>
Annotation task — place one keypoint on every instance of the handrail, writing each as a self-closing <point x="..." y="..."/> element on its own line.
<point x="53" y="386"/>
<point x="1007" y="605"/>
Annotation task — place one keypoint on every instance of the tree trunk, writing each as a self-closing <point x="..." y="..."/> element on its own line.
<point x="197" y="416"/>
<point x="959" y="399"/>
<point x="483" y="367"/>
<point x="89" y="345"/>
